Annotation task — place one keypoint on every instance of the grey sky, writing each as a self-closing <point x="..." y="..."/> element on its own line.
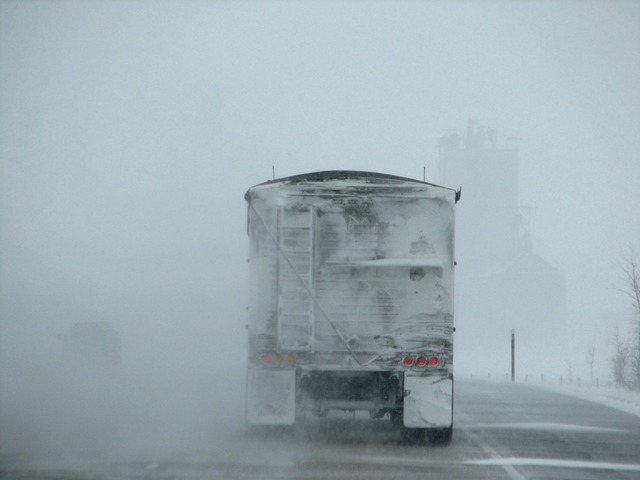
<point x="129" y="132"/>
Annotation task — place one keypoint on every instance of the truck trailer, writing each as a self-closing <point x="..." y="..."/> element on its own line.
<point x="351" y="300"/>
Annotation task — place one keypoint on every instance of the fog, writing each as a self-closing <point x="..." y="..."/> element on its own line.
<point x="130" y="131"/>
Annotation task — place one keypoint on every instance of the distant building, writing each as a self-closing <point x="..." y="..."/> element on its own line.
<point x="489" y="180"/>
<point x="501" y="283"/>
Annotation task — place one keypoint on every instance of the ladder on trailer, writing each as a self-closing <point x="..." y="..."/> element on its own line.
<point x="295" y="279"/>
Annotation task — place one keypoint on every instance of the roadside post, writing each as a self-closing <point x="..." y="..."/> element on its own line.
<point x="513" y="355"/>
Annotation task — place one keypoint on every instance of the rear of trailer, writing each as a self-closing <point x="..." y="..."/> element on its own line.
<point x="351" y="300"/>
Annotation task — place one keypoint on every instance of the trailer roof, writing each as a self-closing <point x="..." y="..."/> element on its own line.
<point x="332" y="175"/>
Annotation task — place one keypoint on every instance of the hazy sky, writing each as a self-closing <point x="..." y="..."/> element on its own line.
<point x="130" y="130"/>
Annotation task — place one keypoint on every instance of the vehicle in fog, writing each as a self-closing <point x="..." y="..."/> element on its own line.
<point x="351" y="300"/>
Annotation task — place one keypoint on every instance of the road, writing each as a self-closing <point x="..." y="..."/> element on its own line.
<point x="502" y="431"/>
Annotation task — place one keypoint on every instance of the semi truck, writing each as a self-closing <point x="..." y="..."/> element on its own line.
<point x="351" y="278"/>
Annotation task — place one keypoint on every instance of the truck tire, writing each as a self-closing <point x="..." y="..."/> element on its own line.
<point x="440" y="436"/>
<point x="396" y="418"/>
<point x="377" y="414"/>
<point x="413" y="436"/>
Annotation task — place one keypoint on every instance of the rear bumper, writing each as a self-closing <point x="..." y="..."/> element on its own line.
<point x="274" y="395"/>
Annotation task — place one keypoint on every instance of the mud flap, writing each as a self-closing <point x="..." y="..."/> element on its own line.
<point x="271" y="397"/>
<point x="428" y="402"/>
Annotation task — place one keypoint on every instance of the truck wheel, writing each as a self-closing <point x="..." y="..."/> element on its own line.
<point x="396" y="417"/>
<point x="377" y="414"/>
<point x="440" y="436"/>
<point x="413" y="436"/>
<point x="320" y="412"/>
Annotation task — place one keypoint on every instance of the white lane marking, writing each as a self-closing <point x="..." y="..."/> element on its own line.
<point x="417" y="462"/>
<point x="547" y="426"/>
<point x="486" y="448"/>
<point x="495" y="456"/>
<point x="553" y="462"/>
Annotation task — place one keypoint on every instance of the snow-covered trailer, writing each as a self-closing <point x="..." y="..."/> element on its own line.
<point x="351" y="300"/>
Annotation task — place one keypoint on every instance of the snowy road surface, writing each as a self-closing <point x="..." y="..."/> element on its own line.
<point x="502" y="431"/>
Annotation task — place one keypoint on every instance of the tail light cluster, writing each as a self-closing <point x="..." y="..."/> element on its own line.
<point x="421" y="361"/>
<point x="277" y="360"/>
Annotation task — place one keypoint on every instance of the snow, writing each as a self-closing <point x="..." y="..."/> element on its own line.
<point x="497" y="462"/>
<point x="554" y="462"/>
<point x="270" y="397"/>
<point x="548" y="426"/>
<point x="348" y="258"/>
<point x="428" y="401"/>
<point x="393" y="262"/>
<point x="617" y="398"/>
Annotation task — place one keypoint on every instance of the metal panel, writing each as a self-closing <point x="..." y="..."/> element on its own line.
<point x="428" y="402"/>
<point x="295" y="279"/>
<point x="271" y="397"/>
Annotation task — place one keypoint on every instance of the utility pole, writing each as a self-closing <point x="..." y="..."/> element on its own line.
<point x="513" y="355"/>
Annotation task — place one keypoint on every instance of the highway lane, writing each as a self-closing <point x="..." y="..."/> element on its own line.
<point x="502" y="431"/>
<point x="536" y="433"/>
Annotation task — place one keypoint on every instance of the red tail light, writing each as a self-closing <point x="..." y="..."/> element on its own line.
<point x="421" y="361"/>
<point x="278" y="360"/>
